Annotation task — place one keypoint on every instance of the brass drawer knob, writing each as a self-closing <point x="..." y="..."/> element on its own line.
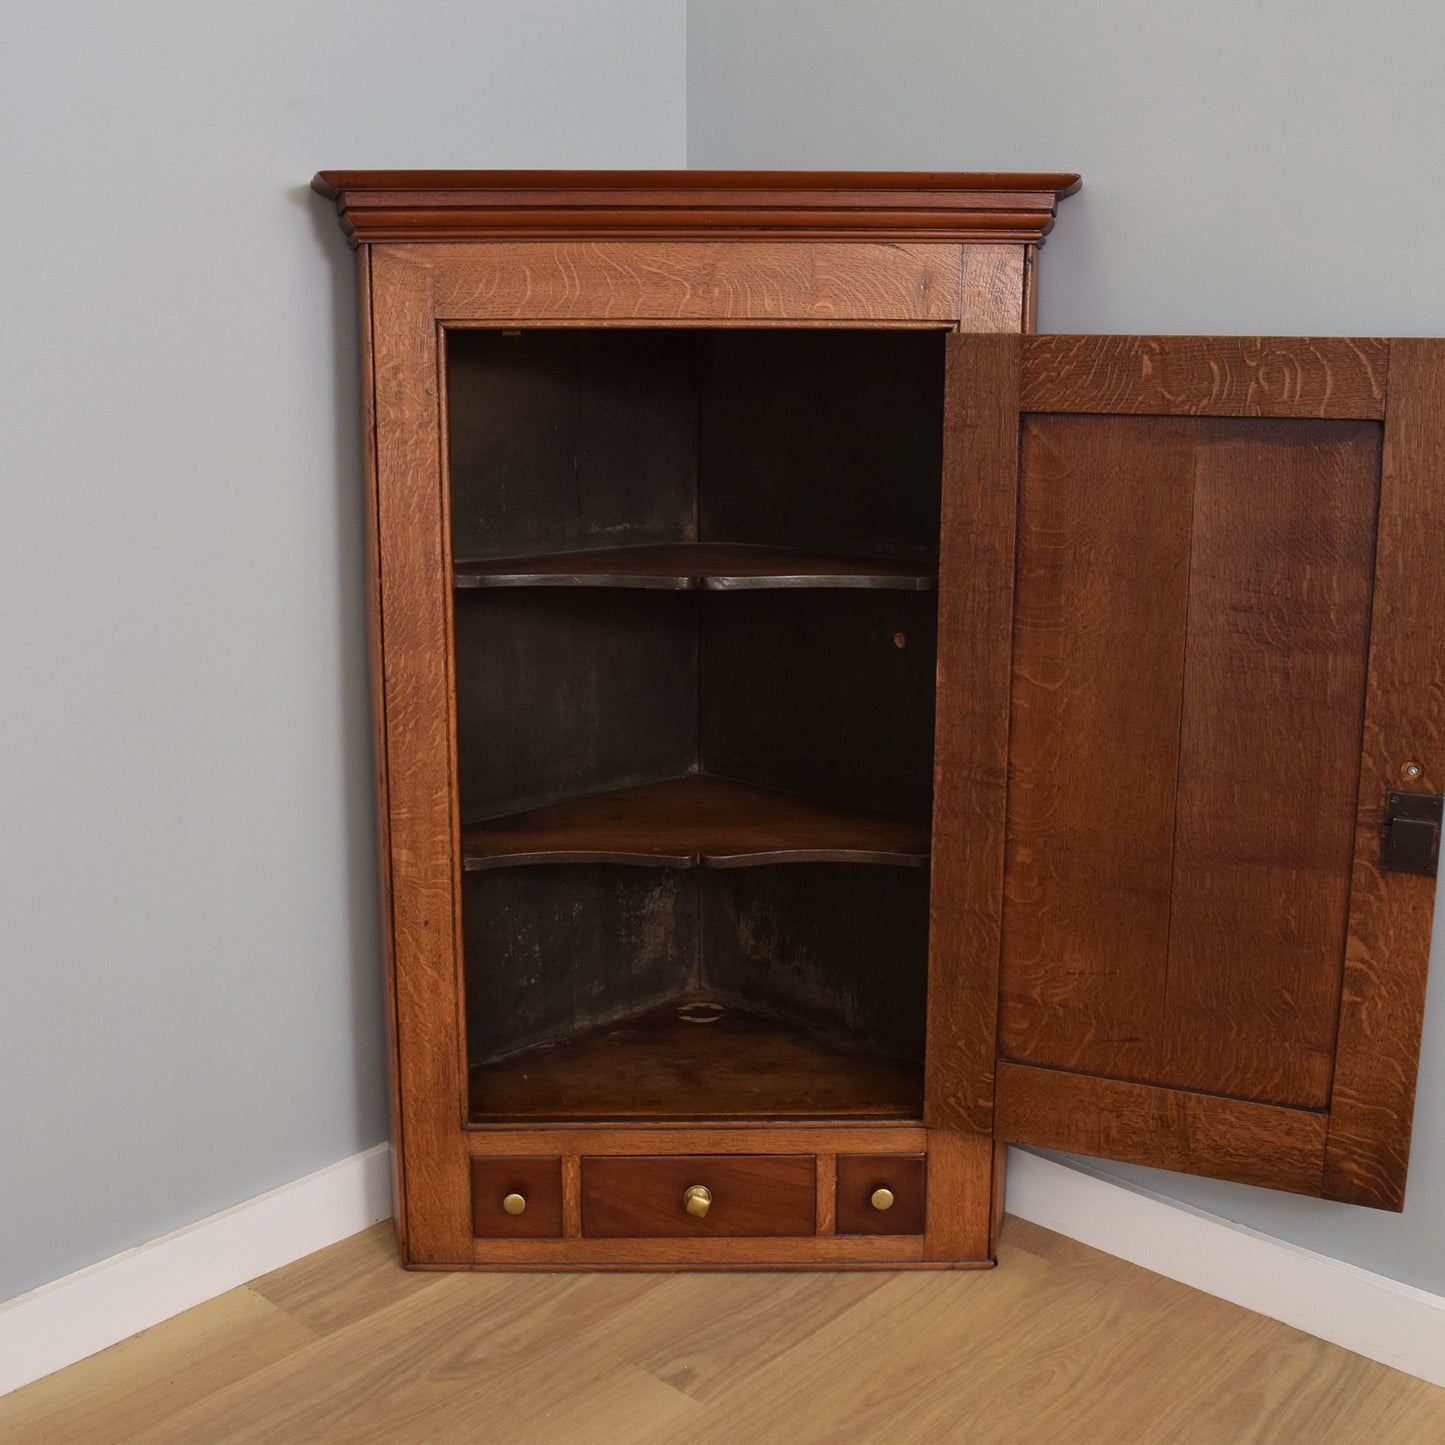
<point x="514" y="1203"/>
<point x="697" y="1200"/>
<point x="881" y="1199"/>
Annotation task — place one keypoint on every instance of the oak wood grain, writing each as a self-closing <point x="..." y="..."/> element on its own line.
<point x="750" y="1252"/>
<point x="1103" y="569"/>
<point x="1269" y="754"/>
<point x="599" y="281"/>
<point x="1282" y="528"/>
<point x="742" y="1137"/>
<point x="975" y="640"/>
<point x="1388" y="948"/>
<point x="1220" y="1138"/>
<point x="417" y="685"/>
<point x="859" y="272"/>
<point x="827" y="1195"/>
<point x="694" y="821"/>
<point x="1175" y="911"/>
<point x="960" y="1193"/>
<point x="571" y="1194"/>
<point x="1206" y="375"/>
<point x="375" y="677"/>
<point x="992" y="294"/>
<point x="1030" y="317"/>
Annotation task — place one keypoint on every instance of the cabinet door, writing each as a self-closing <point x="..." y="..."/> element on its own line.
<point x="1191" y="651"/>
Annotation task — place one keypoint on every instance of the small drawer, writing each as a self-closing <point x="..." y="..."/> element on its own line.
<point x="881" y="1193"/>
<point x="517" y="1198"/>
<point x="648" y="1196"/>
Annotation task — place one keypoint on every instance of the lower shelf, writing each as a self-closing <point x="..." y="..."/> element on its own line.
<point x="687" y="821"/>
<point x="694" y="1059"/>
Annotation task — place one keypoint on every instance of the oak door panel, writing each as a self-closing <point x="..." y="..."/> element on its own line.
<point x="1281" y="572"/>
<point x="1189" y="673"/>
<point x="1227" y="644"/>
<point x="1103" y="570"/>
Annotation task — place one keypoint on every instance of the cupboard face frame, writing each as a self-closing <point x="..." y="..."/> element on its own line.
<point x="414" y="293"/>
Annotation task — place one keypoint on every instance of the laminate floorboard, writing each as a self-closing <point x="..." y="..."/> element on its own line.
<point x="1061" y="1345"/>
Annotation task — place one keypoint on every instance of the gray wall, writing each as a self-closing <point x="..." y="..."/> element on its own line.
<point x="188" y="963"/>
<point x="1247" y="168"/>
<point x="189" y="980"/>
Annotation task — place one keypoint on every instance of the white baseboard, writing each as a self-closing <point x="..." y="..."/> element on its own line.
<point x="71" y="1318"/>
<point x="65" y="1321"/>
<point x="1367" y="1313"/>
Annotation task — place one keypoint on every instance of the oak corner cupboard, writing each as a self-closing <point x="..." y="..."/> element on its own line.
<point x="827" y="732"/>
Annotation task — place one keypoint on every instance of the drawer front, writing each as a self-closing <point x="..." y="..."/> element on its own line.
<point x="517" y="1198"/>
<point x="644" y="1197"/>
<point x="881" y="1193"/>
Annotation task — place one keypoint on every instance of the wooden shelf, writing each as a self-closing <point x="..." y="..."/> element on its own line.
<point x="695" y="1058"/>
<point x="694" y="822"/>
<point x="707" y="566"/>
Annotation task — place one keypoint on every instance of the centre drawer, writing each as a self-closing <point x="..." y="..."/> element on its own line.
<point x="699" y="1196"/>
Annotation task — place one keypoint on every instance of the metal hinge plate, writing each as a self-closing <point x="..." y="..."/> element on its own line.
<point x="1411" y="839"/>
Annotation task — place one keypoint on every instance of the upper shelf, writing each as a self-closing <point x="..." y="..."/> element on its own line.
<point x="713" y="566"/>
<point x="695" y="205"/>
<point x="694" y="822"/>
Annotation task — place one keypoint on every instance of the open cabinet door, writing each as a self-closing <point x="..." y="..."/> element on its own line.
<point x="1190" y="723"/>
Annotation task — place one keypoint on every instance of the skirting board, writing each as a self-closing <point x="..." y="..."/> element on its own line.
<point x="1377" y="1317"/>
<point x="70" y="1318"/>
<point x="65" y="1321"/>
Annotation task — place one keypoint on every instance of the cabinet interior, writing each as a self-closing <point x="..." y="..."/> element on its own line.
<point x="695" y="649"/>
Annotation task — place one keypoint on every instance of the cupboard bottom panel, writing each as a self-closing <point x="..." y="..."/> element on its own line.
<point x="831" y="1253"/>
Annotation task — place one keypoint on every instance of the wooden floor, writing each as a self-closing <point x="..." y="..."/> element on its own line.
<point x="1061" y="1345"/>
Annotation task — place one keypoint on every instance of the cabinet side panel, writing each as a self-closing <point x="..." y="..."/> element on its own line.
<point x="995" y="294"/>
<point x="975" y="642"/>
<point x="1388" y="948"/>
<point x="626" y="281"/>
<point x="415" y="583"/>
<point x="376" y="649"/>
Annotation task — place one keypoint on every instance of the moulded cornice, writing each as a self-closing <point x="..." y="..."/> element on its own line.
<point x="396" y="206"/>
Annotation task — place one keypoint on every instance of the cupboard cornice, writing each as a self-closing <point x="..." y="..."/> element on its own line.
<point x="692" y="205"/>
